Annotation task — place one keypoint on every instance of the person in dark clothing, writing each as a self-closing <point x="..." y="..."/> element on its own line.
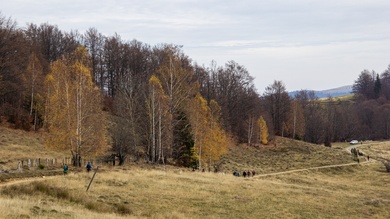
<point x="65" y="169"/>
<point x="248" y="174"/>
<point x="89" y="166"/>
<point x="244" y="174"/>
<point x="253" y="173"/>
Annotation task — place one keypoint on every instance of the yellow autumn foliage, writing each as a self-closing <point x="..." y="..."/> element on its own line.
<point x="263" y="131"/>
<point x="210" y="140"/>
<point x="74" y="117"/>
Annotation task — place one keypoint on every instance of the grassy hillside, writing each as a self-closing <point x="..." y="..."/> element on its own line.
<point x="133" y="191"/>
<point x="17" y="145"/>
<point x="288" y="154"/>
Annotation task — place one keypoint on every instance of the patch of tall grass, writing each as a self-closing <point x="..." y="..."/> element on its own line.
<point x="47" y="189"/>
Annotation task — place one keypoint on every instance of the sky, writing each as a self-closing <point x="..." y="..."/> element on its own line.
<point x="307" y="44"/>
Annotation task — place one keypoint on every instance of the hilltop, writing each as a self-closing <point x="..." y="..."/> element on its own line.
<point x="334" y="92"/>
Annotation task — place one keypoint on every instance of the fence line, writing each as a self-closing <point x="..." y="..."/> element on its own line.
<point x="53" y="162"/>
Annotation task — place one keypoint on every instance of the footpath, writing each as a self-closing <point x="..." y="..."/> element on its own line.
<point x="348" y="149"/>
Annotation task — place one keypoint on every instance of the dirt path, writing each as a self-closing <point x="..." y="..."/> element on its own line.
<point x="24" y="180"/>
<point x="353" y="146"/>
<point x="360" y="145"/>
<point x="35" y="179"/>
<point x="348" y="149"/>
<point x="32" y="179"/>
<point x="312" y="168"/>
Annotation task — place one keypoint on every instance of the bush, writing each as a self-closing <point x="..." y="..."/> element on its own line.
<point x="123" y="209"/>
<point x="41" y="166"/>
<point x="387" y="165"/>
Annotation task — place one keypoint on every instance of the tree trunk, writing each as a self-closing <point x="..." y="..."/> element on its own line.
<point x="122" y="159"/>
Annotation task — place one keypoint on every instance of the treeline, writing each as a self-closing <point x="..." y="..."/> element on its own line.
<point x="155" y="103"/>
<point x="158" y="105"/>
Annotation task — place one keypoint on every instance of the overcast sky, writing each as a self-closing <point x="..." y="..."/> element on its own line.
<point x="307" y="44"/>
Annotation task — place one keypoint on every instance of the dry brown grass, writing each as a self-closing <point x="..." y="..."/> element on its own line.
<point x="359" y="191"/>
<point x="377" y="149"/>
<point x="345" y="192"/>
<point x="16" y="145"/>
<point x="288" y="154"/>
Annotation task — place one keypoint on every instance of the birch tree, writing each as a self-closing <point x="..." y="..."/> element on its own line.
<point x="179" y="85"/>
<point x="210" y="140"/>
<point x="75" y="120"/>
<point x="159" y="121"/>
<point x="296" y="121"/>
<point x="34" y="79"/>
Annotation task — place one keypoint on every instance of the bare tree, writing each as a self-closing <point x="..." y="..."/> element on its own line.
<point x="277" y="104"/>
<point x="364" y="85"/>
<point x="94" y="41"/>
<point x="14" y="53"/>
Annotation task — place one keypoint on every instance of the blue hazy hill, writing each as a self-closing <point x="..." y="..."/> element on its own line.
<point x="335" y="92"/>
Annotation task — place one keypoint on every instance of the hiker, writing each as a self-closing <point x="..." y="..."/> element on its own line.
<point x="253" y="173"/>
<point x="368" y="157"/>
<point x="89" y="167"/>
<point x="65" y="169"/>
<point x="248" y="173"/>
<point x="244" y="174"/>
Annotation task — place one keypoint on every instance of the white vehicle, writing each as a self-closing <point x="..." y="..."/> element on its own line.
<point x="354" y="142"/>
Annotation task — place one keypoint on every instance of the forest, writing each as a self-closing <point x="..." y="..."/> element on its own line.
<point x="97" y="95"/>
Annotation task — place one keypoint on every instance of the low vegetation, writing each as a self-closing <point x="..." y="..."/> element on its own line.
<point x="13" y="142"/>
<point x="345" y="192"/>
<point x="153" y="191"/>
<point x="284" y="154"/>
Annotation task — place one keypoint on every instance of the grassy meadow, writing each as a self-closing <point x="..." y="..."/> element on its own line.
<point x="345" y="192"/>
<point x="134" y="191"/>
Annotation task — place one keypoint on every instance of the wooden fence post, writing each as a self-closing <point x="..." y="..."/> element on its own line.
<point x="92" y="178"/>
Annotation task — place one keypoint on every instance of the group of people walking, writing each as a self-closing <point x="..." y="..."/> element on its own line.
<point x="88" y="167"/>
<point x="245" y="173"/>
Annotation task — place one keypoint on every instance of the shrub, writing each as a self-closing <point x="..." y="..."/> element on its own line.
<point x="387" y="165"/>
<point x="123" y="209"/>
<point x="41" y="166"/>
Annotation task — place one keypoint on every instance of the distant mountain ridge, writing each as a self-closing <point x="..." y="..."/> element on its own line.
<point x="334" y="92"/>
